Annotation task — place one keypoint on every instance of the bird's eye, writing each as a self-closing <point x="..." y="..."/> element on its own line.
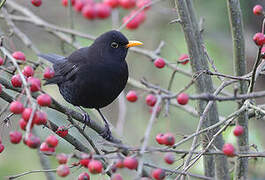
<point x="114" y="45"/>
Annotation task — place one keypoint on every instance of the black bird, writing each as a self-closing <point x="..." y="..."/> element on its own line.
<point x="94" y="76"/>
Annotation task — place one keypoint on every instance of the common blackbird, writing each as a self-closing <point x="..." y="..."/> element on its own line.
<point x="94" y="76"/>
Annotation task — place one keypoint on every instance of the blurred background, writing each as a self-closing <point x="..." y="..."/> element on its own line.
<point x="156" y="28"/>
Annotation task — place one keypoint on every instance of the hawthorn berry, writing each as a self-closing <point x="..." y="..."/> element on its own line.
<point x="150" y="100"/>
<point x="158" y="174"/>
<point x="18" y="55"/>
<point x="84" y="176"/>
<point x="85" y="159"/>
<point x="169" y="139"/>
<point x="28" y="71"/>
<point x="48" y="73"/>
<point x="2" y="147"/>
<point x="131" y="96"/>
<point x="40" y="118"/>
<point x="130" y="162"/>
<point x="141" y="3"/>
<point x="65" y="2"/>
<point x="16" y="107"/>
<point x="229" y="150"/>
<point x="16" y="81"/>
<point x="15" y="137"/>
<point x="44" y="100"/>
<point x="133" y="24"/>
<point x="183" y="98"/>
<point x="259" y="39"/>
<point x="32" y="141"/>
<point x="52" y="141"/>
<point x="116" y="177"/>
<point x="63" y="170"/>
<point x="1" y="61"/>
<point x="169" y="158"/>
<point x="159" y="63"/>
<point x="23" y="124"/>
<point x="119" y="164"/>
<point x="26" y="114"/>
<point x="112" y="3"/>
<point x="44" y="147"/>
<point x="36" y="3"/>
<point x="184" y="59"/>
<point x="79" y="4"/>
<point x="89" y="11"/>
<point x="258" y="10"/>
<point x="160" y="138"/>
<point x="127" y="4"/>
<point x="62" y="131"/>
<point x="62" y="158"/>
<point x="238" y="131"/>
<point x="102" y="10"/>
<point x="95" y="167"/>
<point x="34" y="83"/>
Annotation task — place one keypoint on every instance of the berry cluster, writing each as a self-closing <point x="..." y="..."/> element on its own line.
<point x="102" y="10"/>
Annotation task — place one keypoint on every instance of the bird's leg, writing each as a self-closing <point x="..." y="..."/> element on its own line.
<point x="85" y="117"/>
<point x="106" y="134"/>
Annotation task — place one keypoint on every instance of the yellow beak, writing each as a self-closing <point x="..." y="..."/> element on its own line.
<point x="133" y="43"/>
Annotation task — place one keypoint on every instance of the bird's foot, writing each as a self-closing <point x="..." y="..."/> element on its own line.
<point x="87" y="120"/>
<point x="106" y="134"/>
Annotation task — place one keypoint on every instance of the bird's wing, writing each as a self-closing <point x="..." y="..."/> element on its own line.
<point x="64" y="70"/>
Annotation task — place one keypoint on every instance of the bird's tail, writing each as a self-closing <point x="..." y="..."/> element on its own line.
<point x="56" y="60"/>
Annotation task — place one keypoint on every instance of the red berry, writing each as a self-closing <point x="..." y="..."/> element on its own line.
<point x="40" y="118"/>
<point x="119" y="164"/>
<point x="65" y="2"/>
<point x="2" y="147"/>
<point x="89" y="11"/>
<point x="26" y="114"/>
<point x="1" y="61"/>
<point x="258" y="10"/>
<point x="44" y="100"/>
<point x="85" y="159"/>
<point x="15" y="137"/>
<point x="141" y="3"/>
<point x="79" y="4"/>
<point x="150" y="100"/>
<point x="16" y="107"/>
<point x="102" y="10"/>
<point x="116" y="177"/>
<point x="23" y="124"/>
<point x="169" y="158"/>
<point x="112" y="3"/>
<point x="229" y="150"/>
<point x="158" y="174"/>
<point x="169" y="139"/>
<point x="95" y="167"/>
<point x="130" y="162"/>
<point x="62" y="131"/>
<point x="36" y="3"/>
<point x="63" y="170"/>
<point x="159" y="63"/>
<point x="18" y="55"/>
<point x="259" y="39"/>
<point x="127" y="4"/>
<point x="44" y="147"/>
<point x="84" y="176"/>
<point x="131" y="96"/>
<point x="62" y="158"/>
<point x="16" y="81"/>
<point x="132" y="24"/>
<point x="238" y="131"/>
<point x="183" y="98"/>
<point x="28" y="71"/>
<point x="48" y="73"/>
<point x="160" y="138"/>
<point x="52" y="141"/>
<point x="33" y="141"/>
<point x="184" y="59"/>
<point x="35" y="84"/>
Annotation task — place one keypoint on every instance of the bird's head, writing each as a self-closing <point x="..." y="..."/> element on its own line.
<point x="114" y="44"/>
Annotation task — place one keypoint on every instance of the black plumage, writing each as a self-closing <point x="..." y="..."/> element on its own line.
<point x="93" y="77"/>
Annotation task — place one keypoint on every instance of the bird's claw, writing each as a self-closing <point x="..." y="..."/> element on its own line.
<point x="106" y="134"/>
<point x="86" y="120"/>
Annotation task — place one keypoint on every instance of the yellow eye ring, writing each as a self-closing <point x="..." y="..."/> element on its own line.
<point x="114" y="45"/>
